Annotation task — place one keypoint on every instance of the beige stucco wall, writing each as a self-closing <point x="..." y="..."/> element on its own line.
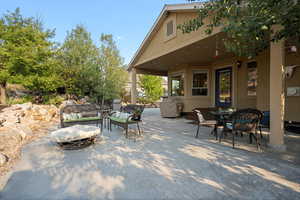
<point x="158" y="44"/>
<point x="292" y="108"/>
<point x="241" y="99"/>
<point x="190" y="101"/>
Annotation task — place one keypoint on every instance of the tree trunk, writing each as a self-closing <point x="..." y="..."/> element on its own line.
<point x="102" y="103"/>
<point x="3" y="94"/>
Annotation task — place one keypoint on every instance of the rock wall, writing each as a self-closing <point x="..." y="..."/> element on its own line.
<point x="20" y="124"/>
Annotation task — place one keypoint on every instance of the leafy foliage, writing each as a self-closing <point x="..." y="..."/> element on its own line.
<point x="248" y="23"/>
<point x="79" y="60"/>
<point x="152" y="86"/>
<point x="20" y="100"/>
<point x="27" y="54"/>
<point x="77" y="67"/>
<point x="91" y="71"/>
<point x="114" y="75"/>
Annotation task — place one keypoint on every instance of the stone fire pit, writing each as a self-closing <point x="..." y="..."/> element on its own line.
<point x="74" y="137"/>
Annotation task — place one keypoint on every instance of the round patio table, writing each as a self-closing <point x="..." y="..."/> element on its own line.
<point x="222" y="117"/>
<point x="75" y="137"/>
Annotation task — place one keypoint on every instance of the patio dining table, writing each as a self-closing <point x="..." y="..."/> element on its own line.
<point x="222" y="117"/>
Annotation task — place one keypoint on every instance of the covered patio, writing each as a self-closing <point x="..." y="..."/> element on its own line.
<point x="167" y="162"/>
<point x="202" y="74"/>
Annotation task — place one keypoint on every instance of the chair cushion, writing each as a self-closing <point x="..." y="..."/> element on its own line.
<point x="209" y="122"/>
<point x="83" y="119"/>
<point x="71" y="116"/>
<point x="229" y="126"/>
<point x="118" y="119"/>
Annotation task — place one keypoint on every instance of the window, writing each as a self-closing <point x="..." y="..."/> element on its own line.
<point x="200" y="83"/>
<point x="170" y="28"/>
<point x="177" y="85"/>
<point x="252" y="78"/>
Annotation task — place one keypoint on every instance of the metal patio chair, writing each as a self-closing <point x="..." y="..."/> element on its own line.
<point x="245" y="121"/>
<point x="202" y="122"/>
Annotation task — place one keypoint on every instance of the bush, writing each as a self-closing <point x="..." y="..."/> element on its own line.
<point x="145" y="100"/>
<point x="20" y="100"/>
<point x="53" y="99"/>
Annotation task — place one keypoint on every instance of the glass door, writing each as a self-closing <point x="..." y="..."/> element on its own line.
<point x="224" y="87"/>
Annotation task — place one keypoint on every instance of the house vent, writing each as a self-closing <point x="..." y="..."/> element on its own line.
<point x="170" y="28"/>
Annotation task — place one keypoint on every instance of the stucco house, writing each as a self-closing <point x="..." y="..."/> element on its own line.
<point x="202" y="74"/>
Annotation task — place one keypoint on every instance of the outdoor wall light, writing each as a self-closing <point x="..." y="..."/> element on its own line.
<point x="293" y="49"/>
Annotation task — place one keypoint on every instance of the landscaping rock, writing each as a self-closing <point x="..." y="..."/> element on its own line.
<point x="3" y="159"/>
<point x="68" y="102"/>
<point x="22" y="123"/>
<point x="2" y="122"/>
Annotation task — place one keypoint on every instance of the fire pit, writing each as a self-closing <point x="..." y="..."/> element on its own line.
<point x="75" y="137"/>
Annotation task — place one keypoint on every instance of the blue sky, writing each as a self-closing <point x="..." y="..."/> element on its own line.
<point x="128" y="20"/>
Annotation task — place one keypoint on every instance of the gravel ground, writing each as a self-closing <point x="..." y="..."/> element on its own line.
<point x="167" y="162"/>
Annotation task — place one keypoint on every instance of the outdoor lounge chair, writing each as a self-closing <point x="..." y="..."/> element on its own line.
<point x="202" y="122"/>
<point x="244" y="121"/>
<point x="170" y="108"/>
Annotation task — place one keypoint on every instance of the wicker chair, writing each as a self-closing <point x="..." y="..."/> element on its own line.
<point x="203" y="122"/>
<point x="123" y="121"/>
<point x="135" y="110"/>
<point x="89" y="114"/>
<point x="171" y="108"/>
<point x="245" y="121"/>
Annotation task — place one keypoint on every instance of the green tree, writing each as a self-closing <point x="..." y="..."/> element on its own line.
<point x="248" y="23"/>
<point x="80" y="61"/>
<point x="152" y="86"/>
<point x="26" y="54"/>
<point x="114" y="75"/>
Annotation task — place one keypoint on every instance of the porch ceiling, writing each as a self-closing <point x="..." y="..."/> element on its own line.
<point x="199" y="53"/>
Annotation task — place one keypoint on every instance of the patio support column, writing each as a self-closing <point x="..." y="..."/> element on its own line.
<point x="277" y="97"/>
<point x="133" y="86"/>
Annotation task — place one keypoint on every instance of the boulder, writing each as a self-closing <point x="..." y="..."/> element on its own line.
<point x="3" y="159"/>
<point x="26" y="106"/>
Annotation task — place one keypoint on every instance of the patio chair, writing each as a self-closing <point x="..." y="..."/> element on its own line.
<point x="123" y="120"/>
<point x="264" y="122"/>
<point x="202" y="122"/>
<point x="135" y="110"/>
<point x="245" y="121"/>
<point x="171" y="108"/>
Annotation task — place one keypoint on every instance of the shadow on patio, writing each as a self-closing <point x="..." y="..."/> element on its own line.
<point x="166" y="163"/>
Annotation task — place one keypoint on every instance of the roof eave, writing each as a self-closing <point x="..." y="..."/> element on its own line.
<point x="166" y="8"/>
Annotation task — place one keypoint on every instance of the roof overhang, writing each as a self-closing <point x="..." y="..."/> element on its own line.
<point x="163" y="14"/>
<point x="201" y="53"/>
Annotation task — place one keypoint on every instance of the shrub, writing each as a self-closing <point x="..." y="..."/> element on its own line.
<point x="20" y="100"/>
<point x="53" y="99"/>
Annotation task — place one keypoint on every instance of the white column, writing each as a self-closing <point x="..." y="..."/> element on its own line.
<point x="133" y="86"/>
<point x="277" y="96"/>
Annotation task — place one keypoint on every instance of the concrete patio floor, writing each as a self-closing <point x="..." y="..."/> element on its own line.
<point x="166" y="163"/>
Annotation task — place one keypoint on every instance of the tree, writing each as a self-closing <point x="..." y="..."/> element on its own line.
<point x="26" y="54"/>
<point x="152" y="86"/>
<point x="80" y="62"/>
<point x="248" y="23"/>
<point x="114" y="75"/>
